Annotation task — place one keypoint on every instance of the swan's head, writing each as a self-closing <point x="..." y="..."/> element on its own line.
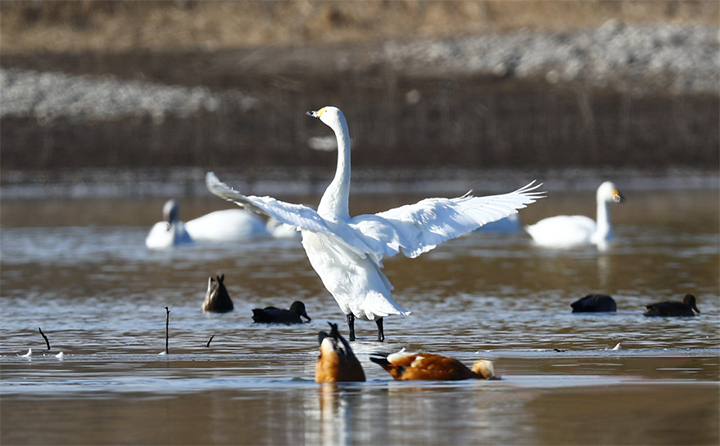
<point x="609" y="193"/>
<point x="171" y="212"/>
<point x="331" y="116"/>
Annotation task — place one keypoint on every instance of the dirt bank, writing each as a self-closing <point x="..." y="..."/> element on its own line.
<point x="618" y="95"/>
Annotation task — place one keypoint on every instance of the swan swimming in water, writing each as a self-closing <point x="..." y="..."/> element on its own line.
<point x="225" y="225"/>
<point x="347" y="252"/>
<point x="564" y="231"/>
<point x="169" y="232"/>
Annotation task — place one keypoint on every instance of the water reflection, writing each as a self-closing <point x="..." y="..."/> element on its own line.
<point x="335" y="408"/>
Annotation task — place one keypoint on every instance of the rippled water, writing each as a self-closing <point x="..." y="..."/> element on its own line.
<point x="80" y="271"/>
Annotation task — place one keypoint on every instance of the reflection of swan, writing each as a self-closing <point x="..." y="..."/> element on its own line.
<point x="568" y="230"/>
<point x="337" y="362"/>
<point x="687" y="307"/>
<point x="227" y="225"/>
<point x="347" y="252"/>
<point x="272" y="315"/>
<point x="430" y="367"/>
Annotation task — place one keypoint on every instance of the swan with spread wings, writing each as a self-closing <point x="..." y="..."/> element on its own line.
<point x="347" y="252"/>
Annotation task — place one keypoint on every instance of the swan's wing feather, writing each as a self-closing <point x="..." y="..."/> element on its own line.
<point x="418" y="228"/>
<point x="296" y="215"/>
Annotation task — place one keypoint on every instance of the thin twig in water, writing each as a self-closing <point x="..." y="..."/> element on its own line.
<point x="209" y="341"/>
<point x="167" y="329"/>
<point x="44" y="337"/>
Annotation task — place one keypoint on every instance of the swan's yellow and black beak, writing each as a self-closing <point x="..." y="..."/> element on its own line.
<point x="316" y="114"/>
<point x="617" y="196"/>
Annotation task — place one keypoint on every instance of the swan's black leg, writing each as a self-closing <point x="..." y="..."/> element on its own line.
<point x="381" y="333"/>
<point x="351" y="326"/>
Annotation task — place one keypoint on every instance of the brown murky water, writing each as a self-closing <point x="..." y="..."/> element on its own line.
<point x="80" y="271"/>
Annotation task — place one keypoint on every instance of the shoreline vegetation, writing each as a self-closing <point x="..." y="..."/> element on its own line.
<point x="536" y="85"/>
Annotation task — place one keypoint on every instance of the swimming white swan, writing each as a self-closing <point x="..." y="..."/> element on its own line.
<point x="169" y="232"/>
<point x="347" y="252"/>
<point x="226" y="225"/>
<point x="569" y="230"/>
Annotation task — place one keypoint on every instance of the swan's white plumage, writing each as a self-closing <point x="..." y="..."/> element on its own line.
<point x="565" y="231"/>
<point x="281" y="230"/>
<point x="225" y="225"/>
<point x="347" y="252"/>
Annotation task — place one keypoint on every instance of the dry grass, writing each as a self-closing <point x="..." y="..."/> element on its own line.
<point x="60" y="26"/>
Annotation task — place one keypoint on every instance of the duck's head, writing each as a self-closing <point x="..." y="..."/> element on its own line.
<point x="298" y="308"/>
<point x="609" y="193"/>
<point x="689" y="299"/>
<point x="171" y="213"/>
<point x="331" y="116"/>
<point x="484" y="368"/>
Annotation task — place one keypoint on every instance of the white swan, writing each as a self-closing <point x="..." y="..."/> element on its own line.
<point x="169" y="232"/>
<point x="226" y="225"/>
<point x="347" y="252"/>
<point x="570" y="230"/>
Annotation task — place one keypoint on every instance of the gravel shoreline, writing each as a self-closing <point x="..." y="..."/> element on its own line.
<point x="642" y="60"/>
<point x="637" y="59"/>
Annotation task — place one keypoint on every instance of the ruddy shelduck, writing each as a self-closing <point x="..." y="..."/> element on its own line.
<point x="337" y="362"/>
<point x="404" y="366"/>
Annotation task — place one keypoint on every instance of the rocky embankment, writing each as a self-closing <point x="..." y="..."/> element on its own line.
<point x="632" y="97"/>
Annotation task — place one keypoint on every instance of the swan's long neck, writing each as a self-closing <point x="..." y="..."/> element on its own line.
<point x="334" y="202"/>
<point x="604" y="230"/>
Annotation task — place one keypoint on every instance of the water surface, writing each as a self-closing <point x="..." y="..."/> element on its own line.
<point x="80" y="271"/>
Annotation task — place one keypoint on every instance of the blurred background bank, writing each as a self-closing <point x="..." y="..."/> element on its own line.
<point x="115" y="98"/>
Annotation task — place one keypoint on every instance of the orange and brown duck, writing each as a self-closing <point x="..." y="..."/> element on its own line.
<point x="337" y="362"/>
<point x="429" y="366"/>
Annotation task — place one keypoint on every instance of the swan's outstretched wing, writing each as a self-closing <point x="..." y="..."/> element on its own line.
<point x="297" y="215"/>
<point x="420" y="227"/>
